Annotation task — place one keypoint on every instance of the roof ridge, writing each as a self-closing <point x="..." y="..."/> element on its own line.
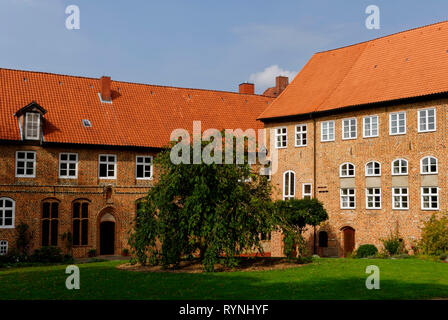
<point x="382" y="37"/>
<point x="130" y="82"/>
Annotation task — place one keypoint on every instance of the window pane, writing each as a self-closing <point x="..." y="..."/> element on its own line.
<point x="85" y="210"/>
<point x="45" y="232"/>
<point x="54" y="210"/>
<point x="140" y="171"/>
<point x="103" y="170"/>
<point x="46" y="210"/>
<point x="84" y="232"/>
<point x="76" y="231"/>
<point x="54" y="232"/>
<point x="76" y="210"/>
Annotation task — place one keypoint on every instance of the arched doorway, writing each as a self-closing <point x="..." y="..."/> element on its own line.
<point x="107" y="234"/>
<point x="349" y="239"/>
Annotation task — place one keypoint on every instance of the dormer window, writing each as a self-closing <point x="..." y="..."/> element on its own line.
<point x="32" y="125"/>
<point x="30" y="120"/>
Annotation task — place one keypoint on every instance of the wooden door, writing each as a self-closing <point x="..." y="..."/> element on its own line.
<point x="349" y="240"/>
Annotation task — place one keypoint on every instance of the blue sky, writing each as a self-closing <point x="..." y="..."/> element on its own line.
<point x="200" y="44"/>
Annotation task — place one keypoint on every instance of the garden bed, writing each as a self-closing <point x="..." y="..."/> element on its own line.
<point x="244" y="264"/>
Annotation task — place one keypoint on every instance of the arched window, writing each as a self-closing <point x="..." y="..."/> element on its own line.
<point x="3" y="247"/>
<point x="289" y="185"/>
<point x="347" y="170"/>
<point x="399" y="167"/>
<point x="50" y="222"/>
<point x="428" y="165"/>
<point x="323" y="239"/>
<point x="373" y="169"/>
<point x="81" y="223"/>
<point x="7" y="213"/>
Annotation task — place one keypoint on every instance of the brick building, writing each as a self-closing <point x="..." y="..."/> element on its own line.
<point x="363" y="128"/>
<point x="76" y="153"/>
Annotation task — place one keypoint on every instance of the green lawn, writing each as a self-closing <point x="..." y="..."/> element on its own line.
<point x="324" y="279"/>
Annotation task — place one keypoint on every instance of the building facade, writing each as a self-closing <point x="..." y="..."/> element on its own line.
<point x="77" y="154"/>
<point x="364" y="130"/>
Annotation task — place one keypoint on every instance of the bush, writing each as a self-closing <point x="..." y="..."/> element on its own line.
<point x="91" y="253"/>
<point x="393" y="244"/>
<point x="47" y="255"/>
<point x="434" y="239"/>
<point x="366" y="250"/>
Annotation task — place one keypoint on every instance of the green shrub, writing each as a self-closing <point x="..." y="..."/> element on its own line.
<point x="47" y="255"/>
<point x="91" y="253"/>
<point x="366" y="250"/>
<point x="434" y="239"/>
<point x="393" y="244"/>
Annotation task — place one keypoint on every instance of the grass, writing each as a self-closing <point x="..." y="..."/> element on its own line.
<point x="323" y="279"/>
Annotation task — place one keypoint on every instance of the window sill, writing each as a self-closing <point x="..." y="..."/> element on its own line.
<point x="426" y="131"/>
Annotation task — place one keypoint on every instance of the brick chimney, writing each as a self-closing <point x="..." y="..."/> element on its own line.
<point x="281" y="83"/>
<point x="247" y="88"/>
<point x="105" y="88"/>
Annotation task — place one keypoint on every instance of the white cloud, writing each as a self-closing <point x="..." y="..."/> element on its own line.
<point x="266" y="78"/>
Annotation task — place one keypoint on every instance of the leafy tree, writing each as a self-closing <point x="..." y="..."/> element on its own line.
<point x="204" y="209"/>
<point x="295" y="215"/>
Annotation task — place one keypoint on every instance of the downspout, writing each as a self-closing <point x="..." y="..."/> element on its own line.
<point x="314" y="178"/>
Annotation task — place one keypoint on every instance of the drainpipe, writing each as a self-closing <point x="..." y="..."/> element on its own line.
<point x="314" y="178"/>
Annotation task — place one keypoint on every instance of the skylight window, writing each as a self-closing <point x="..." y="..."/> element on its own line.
<point x="86" y="123"/>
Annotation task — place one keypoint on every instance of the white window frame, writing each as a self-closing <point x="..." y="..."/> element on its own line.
<point x="430" y="194"/>
<point x="348" y="175"/>
<point x="429" y="165"/>
<point x="68" y="162"/>
<point x="310" y="194"/>
<point x="400" y="174"/>
<point x="30" y="122"/>
<point x="144" y="165"/>
<point x="3" y="247"/>
<point x="2" y="210"/>
<point x="373" y="162"/>
<point x="107" y="162"/>
<point x="398" y="120"/>
<point x="284" y="137"/>
<point x="373" y="195"/>
<point x="24" y="175"/>
<point x="293" y="194"/>
<point x="301" y="133"/>
<point x="348" y="195"/>
<point x="426" y="119"/>
<point x="326" y="123"/>
<point x="401" y="195"/>
<point x="349" y="129"/>
<point x="370" y="135"/>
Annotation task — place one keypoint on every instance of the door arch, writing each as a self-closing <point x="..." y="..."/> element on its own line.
<point x="107" y="234"/>
<point x="348" y="234"/>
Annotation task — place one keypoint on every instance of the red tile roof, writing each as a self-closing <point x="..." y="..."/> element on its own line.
<point x="408" y="64"/>
<point x="140" y="115"/>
